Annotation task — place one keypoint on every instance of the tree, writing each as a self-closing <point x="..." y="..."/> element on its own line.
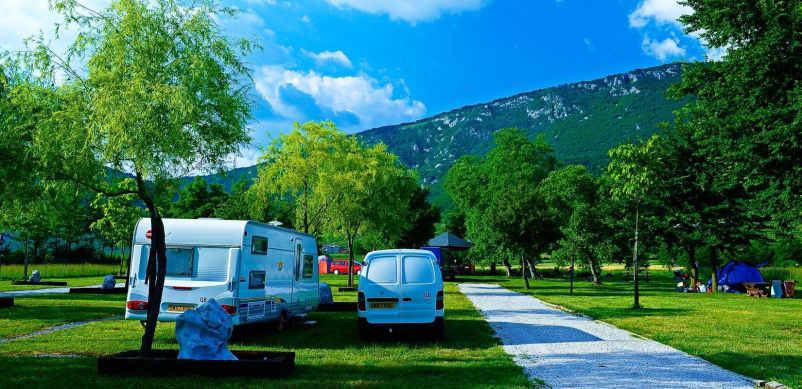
<point x="367" y="194"/>
<point x="506" y="215"/>
<point x="186" y="94"/>
<point x="631" y="169"/>
<point x="119" y="216"/>
<point x="294" y="168"/>
<point x="747" y="105"/>
<point x="198" y="199"/>
<point x="423" y="216"/>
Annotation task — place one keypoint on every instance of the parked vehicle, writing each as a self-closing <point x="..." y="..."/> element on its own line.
<point x="256" y="272"/>
<point x="341" y="267"/>
<point x="400" y="289"/>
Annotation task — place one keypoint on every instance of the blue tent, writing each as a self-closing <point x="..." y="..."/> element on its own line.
<point x="734" y="273"/>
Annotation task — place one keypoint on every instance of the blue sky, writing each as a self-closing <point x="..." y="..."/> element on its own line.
<point x="367" y="63"/>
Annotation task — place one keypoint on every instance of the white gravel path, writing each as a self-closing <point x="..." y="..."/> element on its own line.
<point x="58" y="328"/>
<point x="571" y="351"/>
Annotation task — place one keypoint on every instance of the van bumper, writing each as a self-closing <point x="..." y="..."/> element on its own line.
<point x="437" y="327"/>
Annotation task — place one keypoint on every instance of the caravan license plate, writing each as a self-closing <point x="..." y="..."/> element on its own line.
<point x="381" y="305"/>
<point x="179" y="308"/>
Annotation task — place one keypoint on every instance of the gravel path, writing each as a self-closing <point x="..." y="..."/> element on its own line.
<point x="571" y="351"/>
<point x="58" y="328"/>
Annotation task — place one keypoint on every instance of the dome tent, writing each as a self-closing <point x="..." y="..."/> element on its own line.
<point x="734" y="273"/>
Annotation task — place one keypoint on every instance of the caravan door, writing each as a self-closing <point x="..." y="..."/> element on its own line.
<point x="296" y="276"/>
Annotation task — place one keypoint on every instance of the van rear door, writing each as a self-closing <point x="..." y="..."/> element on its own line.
<point x="418" y="289"/>
<point x="382" y="290"/>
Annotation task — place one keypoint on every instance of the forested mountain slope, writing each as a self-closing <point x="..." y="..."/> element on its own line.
<point x="582" y="121"/>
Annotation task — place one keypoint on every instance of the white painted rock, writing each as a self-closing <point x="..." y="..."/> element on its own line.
<point x="325" y="293"/>
<point x="108" y="282"/>
<point x="203" y="333"/>
<point x="35" y="276"/>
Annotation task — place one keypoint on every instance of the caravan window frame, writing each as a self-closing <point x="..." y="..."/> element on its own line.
<point x="191" y="250"/>
<point x="309" y="266"/>
<point x="261" y="274"/>
<point x="253" y="245"/>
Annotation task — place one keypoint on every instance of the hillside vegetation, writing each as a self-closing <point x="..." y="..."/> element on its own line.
<point x="582" y="121"/>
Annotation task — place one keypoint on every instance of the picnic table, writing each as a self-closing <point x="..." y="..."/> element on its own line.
<point x="643" y="275"/>
<point x="758" y="289"/>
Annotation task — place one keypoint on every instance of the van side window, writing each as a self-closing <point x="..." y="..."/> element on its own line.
<point x="258" y="245"/>
<point x="309" y="266"/>
<point x="418" y="270"/>
<point x="256" y="280"/>
<point x="180" y="261"/>
<point x="382" y="270"/>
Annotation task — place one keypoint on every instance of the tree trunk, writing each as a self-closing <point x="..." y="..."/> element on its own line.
<point x="572" y="269"/>
<point x="157" y="261"/>
<point x="25" y="267"/>
<point x="122" y="259"/>
<point x="508" y="266"/>
<point x="492" y="268"/>
<point x="694" y="266"/>
<point x="635" y="256"/>
<point x="523" y="271"/>
<point x="350" y="261"/>
<point x="530" y="264"/>
<point x="594" y="268"/>
<point x="714" y="267"/>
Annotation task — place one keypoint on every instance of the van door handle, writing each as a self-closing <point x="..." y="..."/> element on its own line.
<point x="407" y="298"/>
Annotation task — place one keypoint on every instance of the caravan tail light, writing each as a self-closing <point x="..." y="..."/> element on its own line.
<point x="137" y="305"/>
<point x="440" y="303"/>
<point x="361" y="300"/>
<point x="230" y="309"/>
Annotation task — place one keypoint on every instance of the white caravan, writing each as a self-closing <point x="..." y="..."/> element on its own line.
<point x="256" y="272"/>
<point x="400" y="289"/>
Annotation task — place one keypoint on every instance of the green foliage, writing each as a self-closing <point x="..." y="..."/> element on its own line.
<point x="423" y="216"/>
<point x="506" y="215"/>
<point x="119" y="215"/>
<point x="198" y="199"/>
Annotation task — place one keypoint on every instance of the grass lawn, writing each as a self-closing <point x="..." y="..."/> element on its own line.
<point x="33" y="313"/>
<point x="330" y="355"/>
<point x="73" y="282"/>
<point x="15" y="271"/>
<point x="759" y="338"/>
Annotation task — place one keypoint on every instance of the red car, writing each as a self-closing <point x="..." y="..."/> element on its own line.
<point x="341" y="267"/>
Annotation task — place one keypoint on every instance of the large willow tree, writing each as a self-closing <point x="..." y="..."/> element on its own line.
<point x="150" y="87"/>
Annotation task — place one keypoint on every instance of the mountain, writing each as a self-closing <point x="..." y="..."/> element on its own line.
<point x="582" y="121"/>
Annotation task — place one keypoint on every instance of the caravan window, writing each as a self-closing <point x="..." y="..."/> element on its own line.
<point x="257" y="280"/>
<point x="180" y="261"/>
<point x="298" y="262"/>
<point x="309" y="266"/>
<point x="258" y="245"/>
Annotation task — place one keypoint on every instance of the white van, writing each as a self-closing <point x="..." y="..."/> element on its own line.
<point x="256" y="272"/>
<point x="400" y="289"/>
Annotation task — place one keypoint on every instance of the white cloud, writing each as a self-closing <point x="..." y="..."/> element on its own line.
<point x="590" y="45"/>
<point x="660" y="12"/>
<point x="306" y="19"/>
<point x="371" y="102"/>
<point x="329" y="56"/>
<point x="261" y="2"/>
<point x="19" y="19"/>
<point x="411" y="11"/>
<point x="664" y="49"/>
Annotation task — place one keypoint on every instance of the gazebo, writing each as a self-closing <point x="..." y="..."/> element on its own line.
<point x="446" y="243"/>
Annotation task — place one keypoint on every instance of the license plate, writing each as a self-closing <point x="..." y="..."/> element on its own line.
<point x="179" y="308"/>
<point x="381" y="305"/>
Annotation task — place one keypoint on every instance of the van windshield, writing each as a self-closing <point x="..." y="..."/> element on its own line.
<point x="382" y="270"/>
<point x="418" y="270"/>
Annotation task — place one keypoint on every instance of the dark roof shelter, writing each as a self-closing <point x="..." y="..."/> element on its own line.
<point x="450" y="241"/>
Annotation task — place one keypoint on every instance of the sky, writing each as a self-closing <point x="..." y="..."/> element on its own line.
<point x="370" y="63"/>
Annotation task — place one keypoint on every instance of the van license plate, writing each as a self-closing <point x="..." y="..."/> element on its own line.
<point x="179" y="308"/>
<point x="381" y="305"/>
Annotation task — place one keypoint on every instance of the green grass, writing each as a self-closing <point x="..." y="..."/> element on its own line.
<point x="58" y="270"/>
<point x="74" y="282"/>
<point x="759" y="338"/>
<point x="33" y="313"/>
<point x="330" y="355"/>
